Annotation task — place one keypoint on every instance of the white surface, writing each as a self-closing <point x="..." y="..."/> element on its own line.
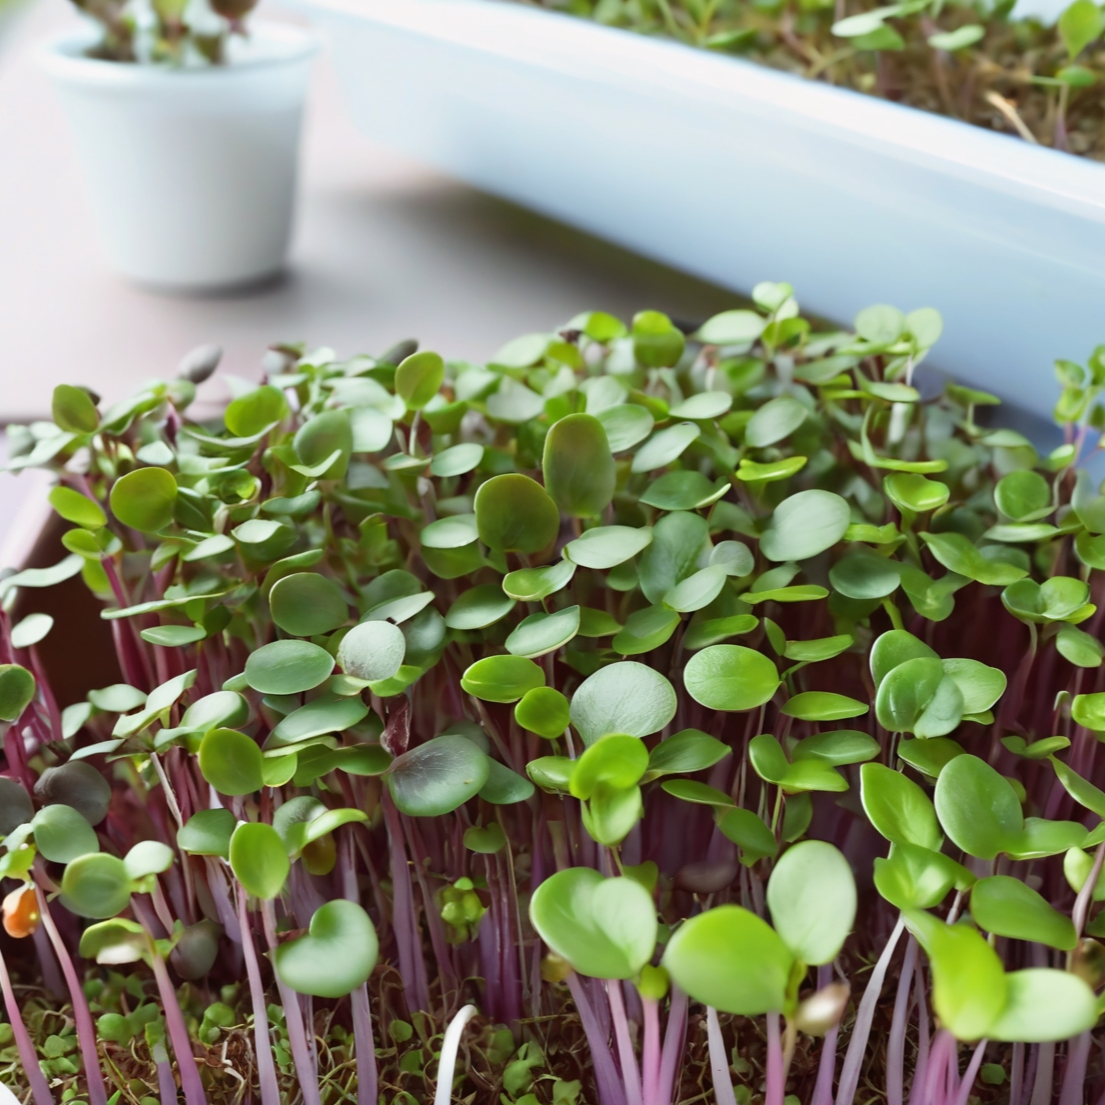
<point x="1046" y="11"/>
<point x="739" y="173"/>
<point x="192" y="172"/>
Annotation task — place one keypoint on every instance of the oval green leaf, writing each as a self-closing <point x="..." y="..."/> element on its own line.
<point x="259" y="859"/>
<point x="578" y="466"/>
<point x="515" y="514"/>
<point x="288" y="667"/>
<point x="306" y="604"/>
<point x="730" y="677"/>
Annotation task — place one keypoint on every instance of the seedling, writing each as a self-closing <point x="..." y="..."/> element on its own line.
<point x="582" y="688"/>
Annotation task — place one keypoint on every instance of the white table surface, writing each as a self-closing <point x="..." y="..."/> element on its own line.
<point x="385" y="249"/>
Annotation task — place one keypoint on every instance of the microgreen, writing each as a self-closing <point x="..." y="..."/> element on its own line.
<point x="638" y="647"/>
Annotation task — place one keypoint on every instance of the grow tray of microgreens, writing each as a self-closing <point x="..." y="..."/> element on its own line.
<point x="719" y="165"/>
<point x="638" y="718"/>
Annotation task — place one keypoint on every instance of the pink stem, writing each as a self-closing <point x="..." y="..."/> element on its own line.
<point x="1045" y="1075"/>
<point x="306" y="1069"/>
<point x="367" y="1077"/>
<point x="853" y="1059"/>
<point x="674" y="1038"/>
<point x="922" y="1037"/>
<point x="412" y="967"/>
<point x="1074" y="1077"/>
<point x="165" y="1081"/>
<point x="266" y="1068"/>
<point x="178" y="1033"/>
<point x="631" y="1074"/>
<point x="972" y="1073"/>
<point x="943" y="1050"/>
<point x="1016" y="1075"/>
<point x="823" y="1090"/>
<point x="774" y="1092"/>
<point x="895" y="1048"/>
<point x="86" y="1032"/>
<point x="606" y="1076"/>
<point x="37" y="1080"/>
<point x="650" y="1056"/>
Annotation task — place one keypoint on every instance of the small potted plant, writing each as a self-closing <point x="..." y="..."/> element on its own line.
<point x="718" y="715"/>
<point x="188" y="127"/>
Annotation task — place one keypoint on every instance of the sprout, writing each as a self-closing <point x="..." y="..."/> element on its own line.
<point x="623" y="660"/>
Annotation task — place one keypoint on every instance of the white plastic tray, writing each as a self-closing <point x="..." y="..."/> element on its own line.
<point x="738" y="173"/>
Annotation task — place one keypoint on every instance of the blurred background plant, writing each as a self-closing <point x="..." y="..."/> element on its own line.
<point x="187" y="33"/>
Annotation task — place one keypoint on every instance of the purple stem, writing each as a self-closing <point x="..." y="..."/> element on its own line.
<point x="631" y="1074"/>
<point x="719" y="1062"/>
<point x="774" y="1092"/>
<point x="178" y="1033"/>
<point x="165" y="1082"/>
<point x="675" y="1036"/>
<point x="922" y="1037"/>
<point x="823" y="1090"/>
<point x="609" y="1085"/>
<point x="37" y="1080"/>
<point x="220" y="895"/>
<point x="305" y="1069"/>
<point x="266" y="1068"/>
<point x="1045" y="1075"/>
<point x="47" y="961"/>
<point x="650" y="1052"/>
<point x="972" y="1073"/>
<point x="895" y="1047"/>
<point x="367" y="1078"/>
<point x="1030" y="1076"/>
<point x="1085" y="895"/>
<point x="412" y="967"/>
<point x="47" y="695"/>
<point x="1074" y="1077"/>
<point x="15" y="753"/>
<point x="86" y="1031"/>
<point x="943" y="1051"/>
<point x="853" y="1059"/>
<point x="1016" y="1075"/>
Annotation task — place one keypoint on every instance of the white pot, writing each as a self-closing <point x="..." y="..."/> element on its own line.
<point x="739" y="173"/>
<point x="192" y="172"/>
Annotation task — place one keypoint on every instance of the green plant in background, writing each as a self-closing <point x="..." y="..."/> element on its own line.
<point x="972" y="61"/>
<point x="644" y="690"/>
<point x="166" y="32"/>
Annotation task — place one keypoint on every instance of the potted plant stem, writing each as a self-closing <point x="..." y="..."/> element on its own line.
<point x="187" y="123"/>
<point x="719" y="165"/>
<point x="638" y="717"/>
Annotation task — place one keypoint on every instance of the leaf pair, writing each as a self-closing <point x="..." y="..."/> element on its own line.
<point x="919" y="693"/>
<point x="732" y="960"/>
<point x="974" y="997"/>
